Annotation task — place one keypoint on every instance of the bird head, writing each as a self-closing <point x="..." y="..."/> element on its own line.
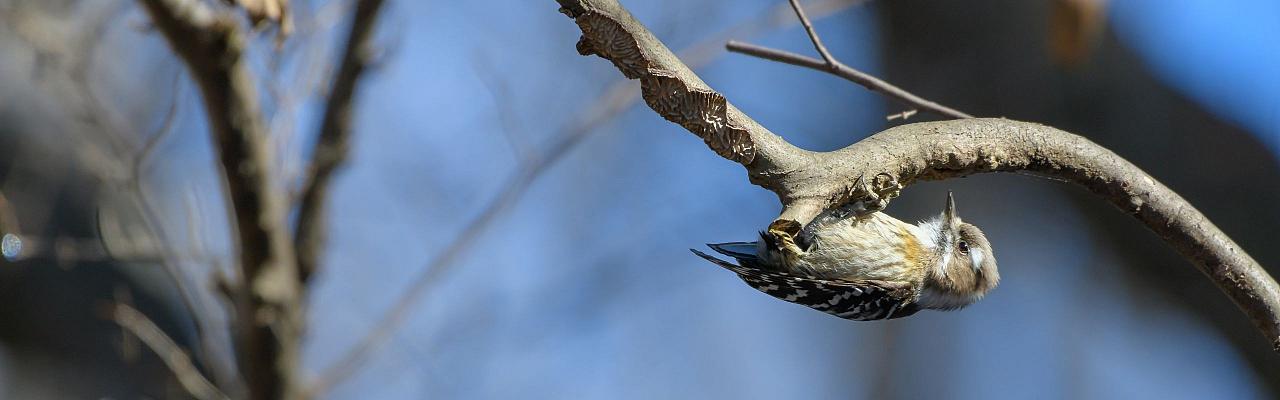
<point x="963" y="267"/>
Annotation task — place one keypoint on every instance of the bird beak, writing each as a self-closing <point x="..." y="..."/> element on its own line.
<point x="950" y="212"/>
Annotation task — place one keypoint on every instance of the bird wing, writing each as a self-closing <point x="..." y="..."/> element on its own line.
<point x="860" y="300"/>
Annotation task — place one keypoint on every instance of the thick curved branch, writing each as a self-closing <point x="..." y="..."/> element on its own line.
<point x="268" y="300"/>
<point x="675" y="93"/>
<point x="809" y="183"/>
<point x="948" y="149"/>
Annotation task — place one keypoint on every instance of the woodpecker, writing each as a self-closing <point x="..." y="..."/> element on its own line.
<point x="868" y="267"/>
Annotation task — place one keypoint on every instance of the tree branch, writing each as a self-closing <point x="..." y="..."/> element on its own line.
<point x="103" y="119"/>
<point x="269" y="316"/>
<point x="217" y="361"/>
<point x="173" y="356"/>
<point x="850" y="74"/>
<point x="833" y="66"/>
<point x="333" y="141"/>
<point x="671" y="89"/>
<point x="809" y="182"/>
<point x="813" y="35"/>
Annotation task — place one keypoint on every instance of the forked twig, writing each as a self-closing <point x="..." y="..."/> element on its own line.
<point x="833" y="66"/>
<point x="813" y="35"/>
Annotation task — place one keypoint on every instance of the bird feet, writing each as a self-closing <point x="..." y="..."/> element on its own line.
<point x="783" y="236"/>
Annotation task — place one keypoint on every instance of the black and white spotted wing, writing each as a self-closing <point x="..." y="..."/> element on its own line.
<point x="863" y="300"/>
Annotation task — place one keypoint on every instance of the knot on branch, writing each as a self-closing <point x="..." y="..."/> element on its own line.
<point x="864" y="197"/>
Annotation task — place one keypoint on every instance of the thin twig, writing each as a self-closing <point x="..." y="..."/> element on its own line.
<point x="306" y="80"/>
<point x="830" y="65"/>
<point x="128" y="342"/>
<point x="100" y="117"/>
<point x="619" y="97"/>
<point x="169" y="261"/>
<point x="813" y="35"/>
<point x="166" y="125"/>
<point x="334" y="139"/>
<point x="173" y="356"/>
<point x="848" y="73"/>
<point x="503" y="101"/>
<point x="902" y="115"/>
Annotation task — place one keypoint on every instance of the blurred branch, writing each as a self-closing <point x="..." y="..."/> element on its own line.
<point x="333" y="142"/>
<point x="169" y="261"/>
<point x="166" y="125"/>
<point x="808" y="183"/>
<point x="273" y="12"/>
<point x="100" y="117"/>
<point x="293" y="79"/>
<point x="617" y="98"/>
<point x="168" y="351"/>
<point x="268" y="299"/>
<point x="503" y="100"/>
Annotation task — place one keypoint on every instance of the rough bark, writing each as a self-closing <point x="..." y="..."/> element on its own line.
<point x="807" y="183"/>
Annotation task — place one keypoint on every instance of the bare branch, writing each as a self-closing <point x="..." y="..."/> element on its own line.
<point x="334" y="139"/>
<point x="166" y="124"/>
<point x="671" y="89"/>
<point x="813" y="35"/>
<point x="100" y="117"/>
<point x="813" y="181"/>
<point x="617" y="98"/>
<point x="268" y="300"/>
<point x="173" y="356"/>
<point x="830" y="65"/>
<point x="848" y="73"/>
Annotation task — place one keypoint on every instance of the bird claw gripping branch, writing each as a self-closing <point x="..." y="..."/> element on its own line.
<point x="870" y="197"/>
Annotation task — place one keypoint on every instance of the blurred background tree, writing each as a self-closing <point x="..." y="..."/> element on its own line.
<point x="508" y="186"/>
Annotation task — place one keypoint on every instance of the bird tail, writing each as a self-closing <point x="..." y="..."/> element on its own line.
<point x="727" y="265"/>
<point x="744" y="252"/>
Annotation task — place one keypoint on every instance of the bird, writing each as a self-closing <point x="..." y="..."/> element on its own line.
<point x="869" y="266"/>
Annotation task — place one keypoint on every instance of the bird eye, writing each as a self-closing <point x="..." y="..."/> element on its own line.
<point x="964" y="247"/>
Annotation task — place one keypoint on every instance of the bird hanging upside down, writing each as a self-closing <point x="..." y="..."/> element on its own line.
<point x="868" y="267"/>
